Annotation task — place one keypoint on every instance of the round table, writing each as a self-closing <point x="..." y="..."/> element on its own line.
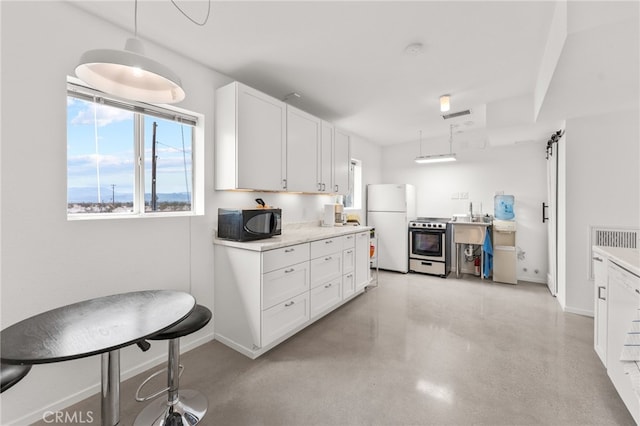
<point x="96" y="326"/>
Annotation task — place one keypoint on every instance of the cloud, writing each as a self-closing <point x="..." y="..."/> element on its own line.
<point x="104" y="115"/>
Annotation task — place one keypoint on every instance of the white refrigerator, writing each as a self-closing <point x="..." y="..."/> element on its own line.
<point x="389" y="209"/>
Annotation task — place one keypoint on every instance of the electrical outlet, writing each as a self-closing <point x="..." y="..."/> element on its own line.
<point x="455" y="196"/>
<point x="464" y="195"/>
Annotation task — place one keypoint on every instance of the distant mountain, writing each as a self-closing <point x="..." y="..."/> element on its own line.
<point x="90" y="195"/>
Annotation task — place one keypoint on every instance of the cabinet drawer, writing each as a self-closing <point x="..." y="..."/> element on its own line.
<point x="325" y="269"/>
<point x="348" y="285"/>
<point x="283" y="284"/>
<point x="349" y="241"/>
<point x="324" y="297"/>
<point x="348" y="260"/>
<point x="284" y="317"/>
<point x="327" y="246"/>
<point x="285" y="256"/>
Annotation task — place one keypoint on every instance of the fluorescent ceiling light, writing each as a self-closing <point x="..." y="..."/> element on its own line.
<point x="442" y="158"/>
<point x="437" y="158"/>
<point x="444" y="103"/>
<point x="130" y="74"/>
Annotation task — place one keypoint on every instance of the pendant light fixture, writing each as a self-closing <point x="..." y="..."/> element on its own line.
<point x="129" y="73"/>
<point x="445" y="104"/>
<point x="438" y="158"/>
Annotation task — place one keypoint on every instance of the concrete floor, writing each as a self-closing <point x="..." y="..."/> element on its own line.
<point x="417" y="350"/>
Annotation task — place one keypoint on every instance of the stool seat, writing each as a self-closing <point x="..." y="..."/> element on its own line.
<point x="197" y="319"/>
<point x="12" y="374"/>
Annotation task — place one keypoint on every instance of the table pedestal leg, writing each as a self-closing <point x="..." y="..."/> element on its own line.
<point x="110" y="408"/>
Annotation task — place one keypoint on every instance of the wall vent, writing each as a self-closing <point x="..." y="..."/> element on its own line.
<point x="612" y="237"/>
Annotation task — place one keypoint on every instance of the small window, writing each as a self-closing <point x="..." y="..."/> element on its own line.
<point x="353" y="200"/>
<point x="126" y="158"/>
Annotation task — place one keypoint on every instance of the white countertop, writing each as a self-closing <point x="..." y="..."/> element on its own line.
<point x="292" y="235"/>
<point x="625" y="257"/>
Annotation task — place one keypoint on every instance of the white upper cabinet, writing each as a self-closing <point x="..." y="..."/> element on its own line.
<point x="250" y="132"/>
<point x="303" y="139"/>
<point x="263" y="144"/>
<point x="325" y="158"/>
<point x="341" y="161"/>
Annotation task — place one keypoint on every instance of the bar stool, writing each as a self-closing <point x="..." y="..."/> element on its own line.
<point x="12" y="374"/>
<point x="186" y="407"/>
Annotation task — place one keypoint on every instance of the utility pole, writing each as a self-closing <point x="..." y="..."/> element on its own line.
<point x="113" y="194"/>
<point x="154" y="160"/>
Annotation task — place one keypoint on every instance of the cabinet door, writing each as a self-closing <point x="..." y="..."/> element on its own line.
<point x="325" y="158"/>
<point x="348" y="260"/>
<point x="285" y="283"/>
<point x="261" y="144"/>
<point x="341" y="161"/>
<point x="348" y="285"/>
<point x="284" y="317"/>
<point x="362" y="260"/>
<point x="600" y="307"/>
<point x="325" y="297"/>
<point x="303" y="139"/>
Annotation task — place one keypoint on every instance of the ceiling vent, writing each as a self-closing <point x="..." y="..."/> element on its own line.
<point x="456" y="114"/>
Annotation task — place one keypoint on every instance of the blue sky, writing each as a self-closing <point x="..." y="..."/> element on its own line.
<point x="111" y="145"/>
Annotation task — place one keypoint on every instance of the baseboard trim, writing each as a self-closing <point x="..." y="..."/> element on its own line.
<point x="578" y="311"/>
<point x="61" y="404"/>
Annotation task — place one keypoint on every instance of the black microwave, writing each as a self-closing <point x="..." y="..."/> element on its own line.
<point x="249" y="224"/>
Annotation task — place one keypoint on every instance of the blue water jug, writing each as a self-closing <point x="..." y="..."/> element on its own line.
<point x="503" y="207"/>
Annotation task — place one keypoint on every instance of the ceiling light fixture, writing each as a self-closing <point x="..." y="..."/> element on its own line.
<point x="129" y="73"/>
<point x="445" y="104"/>
<point x="438" y="158"/>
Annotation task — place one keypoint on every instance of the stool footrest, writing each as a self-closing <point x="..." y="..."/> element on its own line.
<point x="160" y="392"/>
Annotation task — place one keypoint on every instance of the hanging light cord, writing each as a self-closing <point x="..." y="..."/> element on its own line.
<point x="135" y="16"/>
<point x="190" y="18"/>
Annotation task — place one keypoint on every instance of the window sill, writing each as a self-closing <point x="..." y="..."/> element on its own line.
<point x="108" y="216"/>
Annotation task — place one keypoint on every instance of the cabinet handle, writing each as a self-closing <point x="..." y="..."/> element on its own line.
<point x="328" y="285"/>
<point x="289" y="250"/>
<point x="328" y="241"/>
<point x="286" y="305"/>
<point x="427" y="263"/>
<point x="284" y="184"/>
<point x="349" y="251"/>
<point x="600" y="288"/>
<point x="350" y="275"/>
<point x="637" y="291"/>
<point x="289" y="270"/>
<point x="349" y="237"/>
<point x="324" y="187"/>
<point x="327" y="258"/>
<point x="597" y="259"/>
<point x="335" y="188"/>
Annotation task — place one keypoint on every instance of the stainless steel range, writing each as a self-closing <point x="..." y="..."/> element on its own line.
<point x="429" y="251"/>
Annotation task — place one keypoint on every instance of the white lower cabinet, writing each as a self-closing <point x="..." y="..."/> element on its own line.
<point x="325" y="296"/>
<point x="278" y="320"/>
<point x="263" y="297"/>
<point x="362" y="269"/>
<point x="600" y="306"/>
<point x="348" y="285"/>
<point x="284" y="283"/>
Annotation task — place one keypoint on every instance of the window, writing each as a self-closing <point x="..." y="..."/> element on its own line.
<point x="126" y="158"/>
<point x="353" y="200"/>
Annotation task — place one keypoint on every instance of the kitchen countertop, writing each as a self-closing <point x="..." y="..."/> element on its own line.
<point x="626" y="257"/>
<point x="292" y="235"/>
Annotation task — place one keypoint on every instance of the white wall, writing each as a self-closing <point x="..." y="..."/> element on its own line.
<point x="518" y="170"/>
<point x="602" y="189"/>
<point x="48" y="261"/>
